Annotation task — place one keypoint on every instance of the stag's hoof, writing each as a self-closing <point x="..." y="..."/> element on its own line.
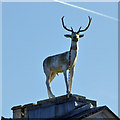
<point x="68" y="95"/>
<point x="68" y="92"/>
<point x="53" y="96"/>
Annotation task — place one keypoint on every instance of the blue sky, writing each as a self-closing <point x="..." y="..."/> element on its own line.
<point x="33" y="31"/>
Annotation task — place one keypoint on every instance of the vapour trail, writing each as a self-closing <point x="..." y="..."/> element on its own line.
<point x="91" y="11"/>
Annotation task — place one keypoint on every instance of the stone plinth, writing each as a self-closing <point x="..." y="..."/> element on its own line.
<point x="52" y="108"/>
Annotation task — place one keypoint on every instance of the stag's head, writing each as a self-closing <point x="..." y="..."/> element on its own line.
<point x="75" y="35"/>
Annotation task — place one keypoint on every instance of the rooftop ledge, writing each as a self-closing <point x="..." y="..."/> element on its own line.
<point x="58" y="100"/>
<point x="75" y="106"/>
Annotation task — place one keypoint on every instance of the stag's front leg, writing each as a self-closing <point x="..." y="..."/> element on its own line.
<point x="71" y="78"/>
<point x="65" y="76"/>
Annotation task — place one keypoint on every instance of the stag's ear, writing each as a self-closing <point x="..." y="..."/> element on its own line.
<point x="68" y="36"/>
<point x="81" y="35"/>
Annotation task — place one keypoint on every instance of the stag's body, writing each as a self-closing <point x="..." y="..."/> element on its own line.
<point x="62" y="62"/>
<point x="58" y="64"/>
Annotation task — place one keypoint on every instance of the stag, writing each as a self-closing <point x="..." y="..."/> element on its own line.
<point x="60" y="63"/>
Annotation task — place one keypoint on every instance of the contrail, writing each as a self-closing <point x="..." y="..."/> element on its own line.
<point x="91" y="11"/>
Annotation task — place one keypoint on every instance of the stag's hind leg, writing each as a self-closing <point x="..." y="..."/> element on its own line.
<point x="52" y="76"/>
<point x="50" y="94"/>
<point x="49" y="79"/>
<point x="48" y="74"/>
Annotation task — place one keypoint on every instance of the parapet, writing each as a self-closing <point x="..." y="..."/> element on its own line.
<point x="62" y="107"/>
<point x="51" y="108"/>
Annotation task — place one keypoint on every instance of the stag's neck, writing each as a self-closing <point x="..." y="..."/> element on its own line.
<point x="74" y="46"/>
<point x="73" y="53"/>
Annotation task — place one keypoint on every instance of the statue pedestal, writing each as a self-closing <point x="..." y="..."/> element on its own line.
<point x="54" y="108"/>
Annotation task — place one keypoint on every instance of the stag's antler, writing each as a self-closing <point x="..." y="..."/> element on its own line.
<point x="71" y="30"/>
<point x="86" y="27"/>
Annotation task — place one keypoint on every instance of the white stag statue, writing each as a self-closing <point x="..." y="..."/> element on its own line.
<point x="65" y="61"/>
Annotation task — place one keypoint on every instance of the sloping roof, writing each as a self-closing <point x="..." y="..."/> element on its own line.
<point x="85" y="111"/>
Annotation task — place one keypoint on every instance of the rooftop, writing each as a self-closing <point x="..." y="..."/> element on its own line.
<point x="62" y="107"/>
